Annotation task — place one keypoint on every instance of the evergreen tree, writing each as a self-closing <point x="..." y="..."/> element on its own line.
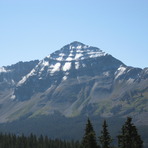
<point x="105" y="138"/>
<point x="89" y="139"/>
<point x="13" y="141"/>
<point x="129" y="137"/>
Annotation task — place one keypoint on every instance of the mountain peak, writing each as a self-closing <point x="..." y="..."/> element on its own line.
<point x="76" y="51"/>
<point x="75" y="45"/>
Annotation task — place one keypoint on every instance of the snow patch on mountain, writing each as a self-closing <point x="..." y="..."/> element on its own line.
<point x="66" y="73"/>
<point x="55" y="68"/>
<point x="45" y="63"/>
<point x="79" y="47"/>
<point x="69" y="59"/>
<point x="3" y="70"/>
<point x="26" y="77"/>
<point x="64" y="78"/>
<point x="77" y="65"/>
<point x="67" y="66"/>
<point x="12" y="97"/>
<point x="119" y="71"/>
<point x="96" y="54"/>
<point x="61" y="54"/>
<point x="146" y="70"/>
<point x="78" y="56"/>
<point x="59" y="58"/>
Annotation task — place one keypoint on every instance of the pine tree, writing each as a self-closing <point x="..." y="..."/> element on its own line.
<point x="89" y="139"/>
<point x="129" y="137"/>
<point x="105" y="138"/>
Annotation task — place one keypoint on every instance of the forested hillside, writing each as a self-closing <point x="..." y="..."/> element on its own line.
<point x="128" y="137"/>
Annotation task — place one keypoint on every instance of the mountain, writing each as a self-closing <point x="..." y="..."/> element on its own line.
<point x="76" y="80"/>
<point x="56" y="94"/>
<point x="11" y="75"/>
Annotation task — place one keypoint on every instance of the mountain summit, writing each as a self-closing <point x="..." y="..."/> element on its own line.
<point x="73" y="61"/>
<point x="75" y="44"/>
<point x="76" y="51"/>
<point x="76" y="80"/>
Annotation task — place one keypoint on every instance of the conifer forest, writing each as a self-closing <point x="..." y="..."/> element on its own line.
<point x="128" y="138"/>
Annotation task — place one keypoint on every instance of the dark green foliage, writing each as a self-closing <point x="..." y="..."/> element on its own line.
<point x="129" y="137"/>
<point x="50" y="126"/>
<point x="105" y="138"/>
<point x="13" y="141"/>
<point x="89" y="139"/>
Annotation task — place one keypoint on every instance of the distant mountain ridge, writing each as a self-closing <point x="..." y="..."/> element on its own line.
<point x="76" y="80"/>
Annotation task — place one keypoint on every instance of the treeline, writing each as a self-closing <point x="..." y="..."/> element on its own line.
<point x="128" y="138"/>
<point x="13" y="141"/>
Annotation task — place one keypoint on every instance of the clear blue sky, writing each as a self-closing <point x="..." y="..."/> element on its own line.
<point x="32" y="29"/>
